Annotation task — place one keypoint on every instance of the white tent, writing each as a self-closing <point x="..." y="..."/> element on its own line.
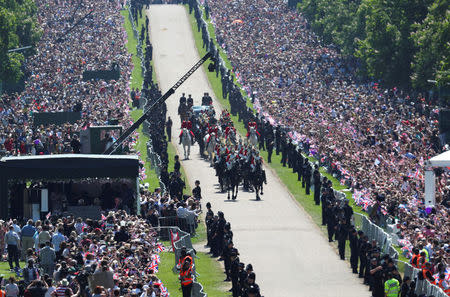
<point x="442" y="160"/>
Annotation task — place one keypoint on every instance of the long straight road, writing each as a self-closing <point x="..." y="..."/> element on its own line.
<point x="290" y="255"/>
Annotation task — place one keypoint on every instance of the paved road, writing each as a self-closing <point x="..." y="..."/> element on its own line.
<point x="288" y="252"/>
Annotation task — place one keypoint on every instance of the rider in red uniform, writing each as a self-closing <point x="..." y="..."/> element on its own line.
<point x="250" y="125"/>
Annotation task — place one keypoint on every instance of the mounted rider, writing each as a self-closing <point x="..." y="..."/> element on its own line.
<point x="212" y="129"/>
<point x="255" y="160"/>
<point x="186" y="124"/>
<point x="190" y="132"/>
<point x="252" y="125"/>
<point x="231" y="158"/>
<point x="228" y="130"/>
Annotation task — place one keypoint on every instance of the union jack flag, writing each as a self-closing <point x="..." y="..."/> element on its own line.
<point x="154" y="267"/>
<point x="160" y="248"/>
<point x="163" y="290"/>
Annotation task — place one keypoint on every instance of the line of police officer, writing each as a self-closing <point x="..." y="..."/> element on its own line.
<point x="220" y="240"/>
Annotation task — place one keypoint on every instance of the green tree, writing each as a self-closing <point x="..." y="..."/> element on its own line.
<point x="377" y="32"/>
<point x="19" y="28"/>
<point x="432" y="59"/>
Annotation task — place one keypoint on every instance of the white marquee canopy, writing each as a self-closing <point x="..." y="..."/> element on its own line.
<point x="442" y="160"/>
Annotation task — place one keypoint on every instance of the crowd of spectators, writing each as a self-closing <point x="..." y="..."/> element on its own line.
<point x="67" y="256"/>
<point x="375" y="140"/>
<point x="54" y="77"/>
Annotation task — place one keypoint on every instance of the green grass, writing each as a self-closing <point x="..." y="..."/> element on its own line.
<point x="141" y="147"/>
<point x="4" y="270"/>
<point x="210" y="275"/>
<point x="136" y="75"/>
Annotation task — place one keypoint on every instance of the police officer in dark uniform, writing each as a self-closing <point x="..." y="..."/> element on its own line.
<point x="182" y="99"/>
<point x="348" y="212"/>
<point x="278" y="138"/>
<point x="376" y="278"/>
<point x="342" y="235"/>
<point x="226" y="255"/>
<point x="307" y="178"/>
<point x="209" y="220"/>
<point x="190" y="101"/>
<point x="299" y="166"/>
<point x="330" y="216"/>
<point x="269" y="146"/>
<point x="251" y="288"/>
<point x="219" y="235"/>
<point x="317" y="184"/>
<point x="242" y="278"/>
<point x="362" y="249"/>
<point x="354" y="251"/>
<point x="291" y="154"/>
<point x="234" y="272"/>
<point x="169" y="129"/>
<point x="324" y="198"/>
<point x="284" y="151"/>
<point x="213" y="232"/>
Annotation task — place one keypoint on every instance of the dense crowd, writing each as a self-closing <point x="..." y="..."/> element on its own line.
<point x="374" y="140"/>
<point x="67" y="256"/>
<point x="54" y="78"/>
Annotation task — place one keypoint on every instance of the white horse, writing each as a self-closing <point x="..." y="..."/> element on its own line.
<point x="186" y="140"/>
<point x="252" y="137"/>
<point x="210" y="146"/>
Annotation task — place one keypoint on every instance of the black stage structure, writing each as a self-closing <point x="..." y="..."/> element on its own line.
<point x="17" y="172"/>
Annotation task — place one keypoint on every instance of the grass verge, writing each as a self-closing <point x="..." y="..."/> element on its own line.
<point x="209" y="270"/>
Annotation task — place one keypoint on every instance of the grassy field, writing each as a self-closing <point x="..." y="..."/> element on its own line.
<point x="136" y="75"/>
<point x="210" y="275"/>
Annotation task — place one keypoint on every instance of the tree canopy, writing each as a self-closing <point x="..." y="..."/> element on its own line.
<point x="19" y="29"/>
<point x="400" y="42"/>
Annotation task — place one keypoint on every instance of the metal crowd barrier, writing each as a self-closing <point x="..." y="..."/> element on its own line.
<point x="374" y="232"/>
<point x="185" y="224"/>
<point x="422" y="286"/>
<point x="152" y="156"/>
<point x="183" y="240"/>
<point x="384" y="239"/>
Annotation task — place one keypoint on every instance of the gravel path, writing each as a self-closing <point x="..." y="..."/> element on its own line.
<point x="290" y="255"/>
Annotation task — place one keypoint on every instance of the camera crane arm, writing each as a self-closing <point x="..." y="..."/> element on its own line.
<point x="160" y="100"/>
